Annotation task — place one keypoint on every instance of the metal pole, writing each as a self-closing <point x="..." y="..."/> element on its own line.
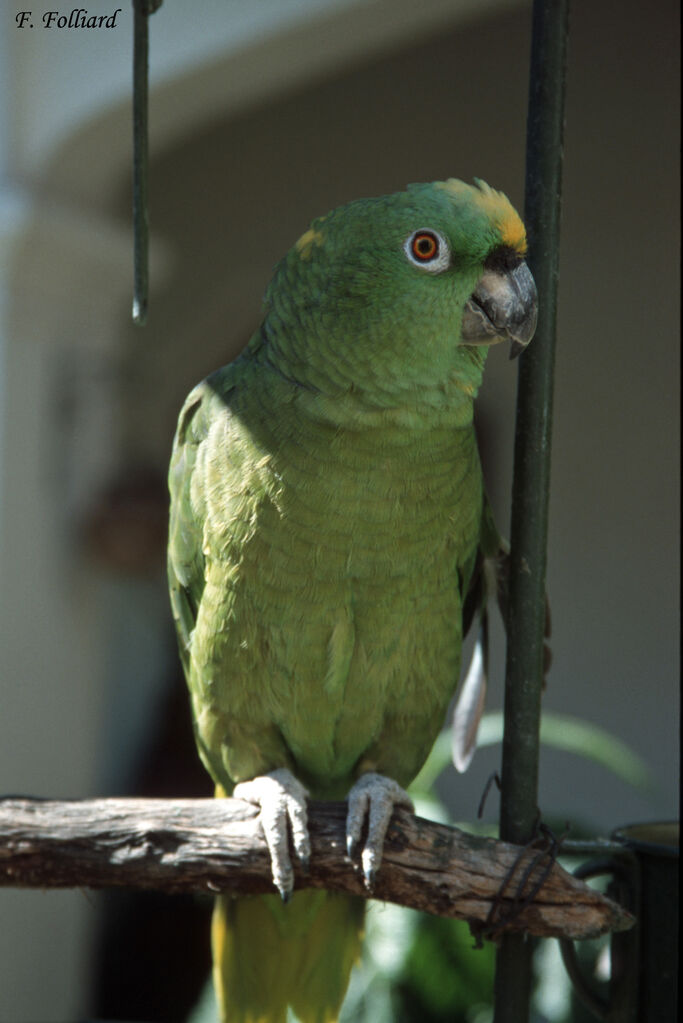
<point x="141" y="11"/>
<point x="529" y="526"/>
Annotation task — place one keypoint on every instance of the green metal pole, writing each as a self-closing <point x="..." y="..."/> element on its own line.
<point x="529" y="526"/>
<point x="141" y="11"/>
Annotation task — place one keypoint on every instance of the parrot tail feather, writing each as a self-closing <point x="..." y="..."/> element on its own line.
<point x="268" y="955"/>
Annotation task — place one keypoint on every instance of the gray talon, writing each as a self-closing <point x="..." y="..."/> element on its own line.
<point x="372" y="798"/>
<point x="281" y="800"/>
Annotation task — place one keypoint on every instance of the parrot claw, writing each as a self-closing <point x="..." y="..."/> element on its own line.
<point x="373" y="797"/>
<point x="281" y="800"/>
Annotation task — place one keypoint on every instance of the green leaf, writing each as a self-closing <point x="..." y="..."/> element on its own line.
<point x="574" y="735"/>
<point x="439" y="758"/>
<point x="560" y="731"/>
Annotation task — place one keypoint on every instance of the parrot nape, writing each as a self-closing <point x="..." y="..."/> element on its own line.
<point x="327" y="518"/>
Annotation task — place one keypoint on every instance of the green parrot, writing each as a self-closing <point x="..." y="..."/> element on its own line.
<point x="327" y="519"/>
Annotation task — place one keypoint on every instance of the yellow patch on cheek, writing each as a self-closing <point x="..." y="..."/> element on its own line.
<point x="304" y="245"/>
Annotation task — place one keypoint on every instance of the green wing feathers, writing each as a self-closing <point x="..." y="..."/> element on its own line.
<point x="185" y="557"/>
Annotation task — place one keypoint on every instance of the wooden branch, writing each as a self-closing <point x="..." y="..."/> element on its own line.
<point x="216" y="845"/>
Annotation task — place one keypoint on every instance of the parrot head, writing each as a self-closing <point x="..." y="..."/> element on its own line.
<point x="399" y="294"/>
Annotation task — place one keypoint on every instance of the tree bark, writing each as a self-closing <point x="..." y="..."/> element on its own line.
<point x="216" y="845"/>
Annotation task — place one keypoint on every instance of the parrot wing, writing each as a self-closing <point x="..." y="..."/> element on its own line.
<point x="490" y="577"/>
<point x="486" y="578"/>
<point x="185" y="537"/>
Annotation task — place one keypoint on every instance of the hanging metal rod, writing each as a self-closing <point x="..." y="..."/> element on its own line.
<point x="141" y="11"/>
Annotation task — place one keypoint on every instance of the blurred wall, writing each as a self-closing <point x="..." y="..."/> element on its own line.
<point x="89" y="402"/>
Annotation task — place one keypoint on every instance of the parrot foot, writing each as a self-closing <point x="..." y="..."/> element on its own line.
<point x="281" y="799"/>
<point x="373" y="797"/>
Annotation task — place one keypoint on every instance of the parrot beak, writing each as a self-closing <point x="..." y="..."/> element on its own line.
<point x="502" y="307"/>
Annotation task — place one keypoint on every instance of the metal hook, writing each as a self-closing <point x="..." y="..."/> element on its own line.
<point x="591" y="999"/>
<point x="141" y="11"/>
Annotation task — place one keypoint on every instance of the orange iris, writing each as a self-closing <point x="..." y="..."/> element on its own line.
<point x="425" y="246"/>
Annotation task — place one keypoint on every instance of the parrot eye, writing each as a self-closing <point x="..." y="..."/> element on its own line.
<point x="428" y="250"/>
